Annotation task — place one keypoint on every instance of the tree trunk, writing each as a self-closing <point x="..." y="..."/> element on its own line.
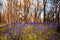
<point x="55" y="3"/>
<point x="53" y="14"/>
<point x="0" y="17"/>
<point x="44" y="13"/>
<point x="58" y="15"/>
<point x="44" y="1"/>
<point x="26" y="9"/>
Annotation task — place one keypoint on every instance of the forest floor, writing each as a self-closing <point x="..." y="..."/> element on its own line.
<point x="29" y="31"/>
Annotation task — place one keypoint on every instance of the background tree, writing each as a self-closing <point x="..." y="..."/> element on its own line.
<point x="55" y="4"/>
<point x="0" y="17"/>
<point x="26" y="9"/>
<point x="44" y="3"/>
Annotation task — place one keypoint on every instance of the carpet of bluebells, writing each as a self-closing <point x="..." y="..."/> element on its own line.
<point x="29" y="31"/>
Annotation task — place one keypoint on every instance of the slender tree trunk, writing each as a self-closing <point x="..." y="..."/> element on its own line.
<point x="55" y="3"/>
<point x="44" y="1"/>
<point x="0" y="17"/>
<point x="26" y="9"/>
<point x="48" y="18"/>
<point x="44" y="13"/>
<point x="53" y="14"/>
<point x="10" y="12"/>
<point x="58" y="15"/>
<point x="36" y="10"/>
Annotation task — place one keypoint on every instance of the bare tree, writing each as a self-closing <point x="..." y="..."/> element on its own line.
<point x="44" y="3"/>
<point x="0" y="17"/>
<point x="26" y="9"/>
<point x="57" y="14"/>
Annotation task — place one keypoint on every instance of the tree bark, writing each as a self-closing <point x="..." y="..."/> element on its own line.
<point x="44" y="1"/>
<point x="0" y="17"/>
<point x="26" y="9"/>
